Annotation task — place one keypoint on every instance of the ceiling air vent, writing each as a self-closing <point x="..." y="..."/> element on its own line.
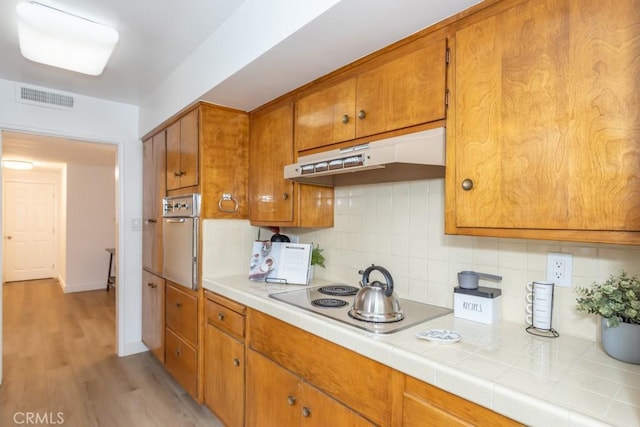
<point x="30" y="95"/>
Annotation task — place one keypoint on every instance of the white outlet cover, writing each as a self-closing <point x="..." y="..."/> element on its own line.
<point x="567" y="262"/>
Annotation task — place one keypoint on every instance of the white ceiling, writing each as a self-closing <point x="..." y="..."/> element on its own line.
<point x="156" y="36"/>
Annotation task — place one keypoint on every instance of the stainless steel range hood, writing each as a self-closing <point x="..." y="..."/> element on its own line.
<point x="408" y="157"/>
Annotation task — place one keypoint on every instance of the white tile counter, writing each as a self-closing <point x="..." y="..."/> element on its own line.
<point x="537" y="381"/>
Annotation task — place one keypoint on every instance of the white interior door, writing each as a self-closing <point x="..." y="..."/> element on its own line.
<point x="29" y="227"/>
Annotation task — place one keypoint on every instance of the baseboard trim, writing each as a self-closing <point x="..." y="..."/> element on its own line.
<point x="132" y="348"/>
<point x="82" y="287"/>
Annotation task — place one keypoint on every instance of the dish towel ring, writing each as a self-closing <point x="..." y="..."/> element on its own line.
<point x="228" y="197"/>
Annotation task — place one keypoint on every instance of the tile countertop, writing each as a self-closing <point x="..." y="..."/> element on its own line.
<point x="564" y="381"/>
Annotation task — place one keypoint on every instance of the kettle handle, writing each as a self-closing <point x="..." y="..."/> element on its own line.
<point x="387" y="276"/>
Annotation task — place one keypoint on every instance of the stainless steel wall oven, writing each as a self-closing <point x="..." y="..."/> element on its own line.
<point x="181" y="217"/>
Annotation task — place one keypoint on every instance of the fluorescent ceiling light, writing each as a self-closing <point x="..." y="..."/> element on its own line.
<point x="59" y="39"/>
<point x="17" y="164"/>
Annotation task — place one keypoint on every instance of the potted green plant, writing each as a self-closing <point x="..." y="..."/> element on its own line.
<point x="316" y="256"/>
<point x="617" y="300"/>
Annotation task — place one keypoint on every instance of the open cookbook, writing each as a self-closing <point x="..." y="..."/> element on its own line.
<point x="280" y="262"/>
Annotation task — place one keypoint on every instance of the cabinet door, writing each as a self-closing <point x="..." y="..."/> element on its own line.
<point x="546" y="125"/>
<point x="154" y="185"/>
<point x="326" y="116"/>
<point x="272" y="394"/>
<point x="405" y="91"/>
<point x="153" y="313"/>
<point x="320" y="410"/>
<point x="224" y="376"/>
<point x="182" y="152"/>
<point x="189" y="149"/>
<point x="271" y="197"/>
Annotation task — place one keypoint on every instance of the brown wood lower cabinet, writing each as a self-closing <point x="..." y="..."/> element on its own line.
<point x="181" y="337"/>
<point x="181" y="360"/>
<point x="281" y="375"/>
<point x="153" y="313"/>
<point x="423" y="405"/>
<point x="224" y="359"/>
<point x="277" y="397"/>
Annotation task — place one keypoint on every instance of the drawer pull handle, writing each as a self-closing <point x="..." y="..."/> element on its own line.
<point x="306" y="412"/>
<point x="291" y="400"/>
<point x="236" y="362"/>
<point x="220" y="316"/>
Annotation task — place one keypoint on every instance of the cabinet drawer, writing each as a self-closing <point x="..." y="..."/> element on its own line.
<point x="182" y="314"/>
<point x="181" y="360"/>
<point x="225" y="318"/>
<point x="348" y="377"/>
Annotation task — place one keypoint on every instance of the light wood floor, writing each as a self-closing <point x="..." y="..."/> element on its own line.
<point x="59" y="357"/>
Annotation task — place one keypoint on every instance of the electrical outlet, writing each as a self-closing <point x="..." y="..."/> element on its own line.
<point x="559" y="268"/>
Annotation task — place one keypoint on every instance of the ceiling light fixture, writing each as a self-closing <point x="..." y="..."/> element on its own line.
<point x="18" y="164"/>
<point x="53" y="37"/>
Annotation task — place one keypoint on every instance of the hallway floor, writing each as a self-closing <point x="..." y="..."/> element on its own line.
<point x="60" y="366"/>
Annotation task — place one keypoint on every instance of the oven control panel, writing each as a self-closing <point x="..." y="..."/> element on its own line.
<point x="181" y="206"/>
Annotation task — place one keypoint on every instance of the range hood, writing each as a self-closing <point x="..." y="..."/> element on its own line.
<point x="418" y="155"/>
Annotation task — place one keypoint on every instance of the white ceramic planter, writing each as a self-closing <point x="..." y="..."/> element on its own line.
<point x="622" y="342"/>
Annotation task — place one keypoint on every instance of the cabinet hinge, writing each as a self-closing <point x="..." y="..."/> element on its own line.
<point x="447" y="56"/>
<point x="446" y="98"/>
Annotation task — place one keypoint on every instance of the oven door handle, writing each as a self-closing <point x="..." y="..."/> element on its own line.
<point x="176" y="220"/>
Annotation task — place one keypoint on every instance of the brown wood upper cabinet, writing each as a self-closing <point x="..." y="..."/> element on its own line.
<point x="154" y="184"/>
<point x="545" y="140"/>
<point x="182" y="152"/>
<point x="274" y="200"/>
<point x="207" y="153"/>
<point x="401" y="88"/>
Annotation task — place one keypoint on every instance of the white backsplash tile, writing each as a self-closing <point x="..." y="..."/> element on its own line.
<point x="402" y="228"/>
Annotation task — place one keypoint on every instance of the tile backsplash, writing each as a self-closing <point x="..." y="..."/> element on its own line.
<point x="401" y="227"/>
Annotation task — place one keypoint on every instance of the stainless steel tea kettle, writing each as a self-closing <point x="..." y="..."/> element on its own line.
<point x="376" y="302"/>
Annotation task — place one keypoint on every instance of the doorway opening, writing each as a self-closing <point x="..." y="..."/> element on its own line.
<point x="59" y="217"/>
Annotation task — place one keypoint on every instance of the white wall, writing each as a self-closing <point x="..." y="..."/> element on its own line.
<point x="97" y="120"/>
<point x="255" y="28"/>
<point x="401" y="226"/>
<point x="90" y="226"/>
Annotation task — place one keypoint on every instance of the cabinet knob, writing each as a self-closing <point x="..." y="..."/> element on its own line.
<point x="285" y="196"/>
<point x="151" y="220"/>
<point x="362" y="114"/>
<point x="178" y="352"/>
<point x="152" y="285"/>
<point x="467" y="184"/>
<point x="220" y="316"/>
<point x="291" y="400"/>
<point x="178" y="304"/>
<point x="306" y="412"/>
<point x="345" y="119"/>
<point x="179" y="173"/>
<point x="236" y="362"/>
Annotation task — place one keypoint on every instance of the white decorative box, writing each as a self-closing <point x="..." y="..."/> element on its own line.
<point x="482" y="305"/>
